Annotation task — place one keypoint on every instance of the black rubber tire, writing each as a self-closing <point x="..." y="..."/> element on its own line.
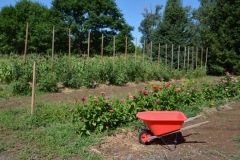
<point x="143" y="135"/>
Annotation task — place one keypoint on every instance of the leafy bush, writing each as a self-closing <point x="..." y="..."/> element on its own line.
<point x="48" y="83"/>
<point x="72" y="81"/>
<point x="20" y="87"/>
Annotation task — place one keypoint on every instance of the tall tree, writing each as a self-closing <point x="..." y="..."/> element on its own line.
<point x="175" y="27"/>
<point x="13" y="21"/>
<point x="151" y="18"/>
<point x="97" y="17"/>
<point x="220" y="32"/>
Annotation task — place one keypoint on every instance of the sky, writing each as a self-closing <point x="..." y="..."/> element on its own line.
<point x="131" y="9"/>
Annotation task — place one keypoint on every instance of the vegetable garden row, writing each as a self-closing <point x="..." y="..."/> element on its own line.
<point x="79" y="71"/>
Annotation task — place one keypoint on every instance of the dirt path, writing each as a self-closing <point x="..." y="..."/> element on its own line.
<point x="219" y="139"/>
<point x="72" y="95"/>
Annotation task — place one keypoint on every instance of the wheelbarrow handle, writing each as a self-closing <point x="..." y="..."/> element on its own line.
<point x="193" y="126"/>
<point x="182" y="129"/>
<point x="192" y="118"/>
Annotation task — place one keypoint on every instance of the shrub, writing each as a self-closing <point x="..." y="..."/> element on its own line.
<point x="48" y="83"/>
<point x="20" y="87"/>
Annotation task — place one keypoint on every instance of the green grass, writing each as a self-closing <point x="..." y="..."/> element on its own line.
<point x="46" y="140"/>
<point x="236" y="139"/>
<point x="47" y="134"/>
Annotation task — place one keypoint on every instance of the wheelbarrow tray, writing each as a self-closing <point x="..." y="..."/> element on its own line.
<point x="166" y="122"/>
<point x="162" y="122"/>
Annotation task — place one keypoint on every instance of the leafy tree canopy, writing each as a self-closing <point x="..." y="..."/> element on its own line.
<point x="152" y="18"/>
<point x="175" y="27"/>
<point x="80" y="16"/>
<point x="13" y="26"/>
<point x="97" y="17"/>
<point x="220" y="32"/>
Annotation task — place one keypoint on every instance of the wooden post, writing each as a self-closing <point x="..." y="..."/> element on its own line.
<point x="151" y="53"/>
<point x="201" y="56"/>
<point x="172" y="58"/>
<point x="69" y="46"/>
<point x="159" y="47"/>
<point x="178" y="56"/>
<point x="135" y="56"/>
<point x="125" y="53"/>
<point x="166" y="55"/>
<point x="102" y="51"/>
<point x="52" y="48"/>
<point x="196" y="57"/>
<point x="26" y="42"/>
<point x="143" y="54"/>
<point x="88" y="48"/>
<point x="188" y="60"/>
<point x="33" y="88"/>
<point x="206" y="59"/>
<point x="184" y="57"/>
<point x="114" y="52"/>
<point x="192" y="57"/>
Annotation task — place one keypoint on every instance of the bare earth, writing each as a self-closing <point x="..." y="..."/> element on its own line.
<point x="68" y="95"/>
<point x="214" y="140"/>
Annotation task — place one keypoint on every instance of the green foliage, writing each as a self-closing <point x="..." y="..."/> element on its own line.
<point x="219" y="31"/>
<point x="49" y="132"/>
<point x="13" y="21"/>
<point x="5" y="72"/>
<point x="192" y="73"/>
<point x="75" y="73"/>
<point x="176" y="28"/>
<point x="149" y="23"/>
<point x="97" y="17"/>
<point x="48" y="83"/>
<point x="81" y="17"/>
<point x="20" y="87"/>
<point x="45" y="115"/>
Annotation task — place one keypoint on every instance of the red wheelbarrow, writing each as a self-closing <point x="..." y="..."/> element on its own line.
<point x="162" y="123"/>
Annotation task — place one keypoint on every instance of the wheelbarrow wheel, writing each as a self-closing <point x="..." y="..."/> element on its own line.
<point x="143" y="137"/>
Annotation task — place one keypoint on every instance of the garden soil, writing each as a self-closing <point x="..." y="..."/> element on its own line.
<point x="218" y="139"/>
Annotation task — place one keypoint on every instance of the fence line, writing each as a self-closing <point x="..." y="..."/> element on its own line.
<point x="193" y="54"/>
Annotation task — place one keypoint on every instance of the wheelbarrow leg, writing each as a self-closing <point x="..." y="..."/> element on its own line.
<point x="175" y="142"/>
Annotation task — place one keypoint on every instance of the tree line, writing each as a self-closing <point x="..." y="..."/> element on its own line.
<point x="214" y="25"/>
<point x="80" y="17"/>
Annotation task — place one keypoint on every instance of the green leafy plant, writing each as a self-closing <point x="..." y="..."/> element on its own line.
<point x="21" y="87"/>
<point x="48" y="83"/>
